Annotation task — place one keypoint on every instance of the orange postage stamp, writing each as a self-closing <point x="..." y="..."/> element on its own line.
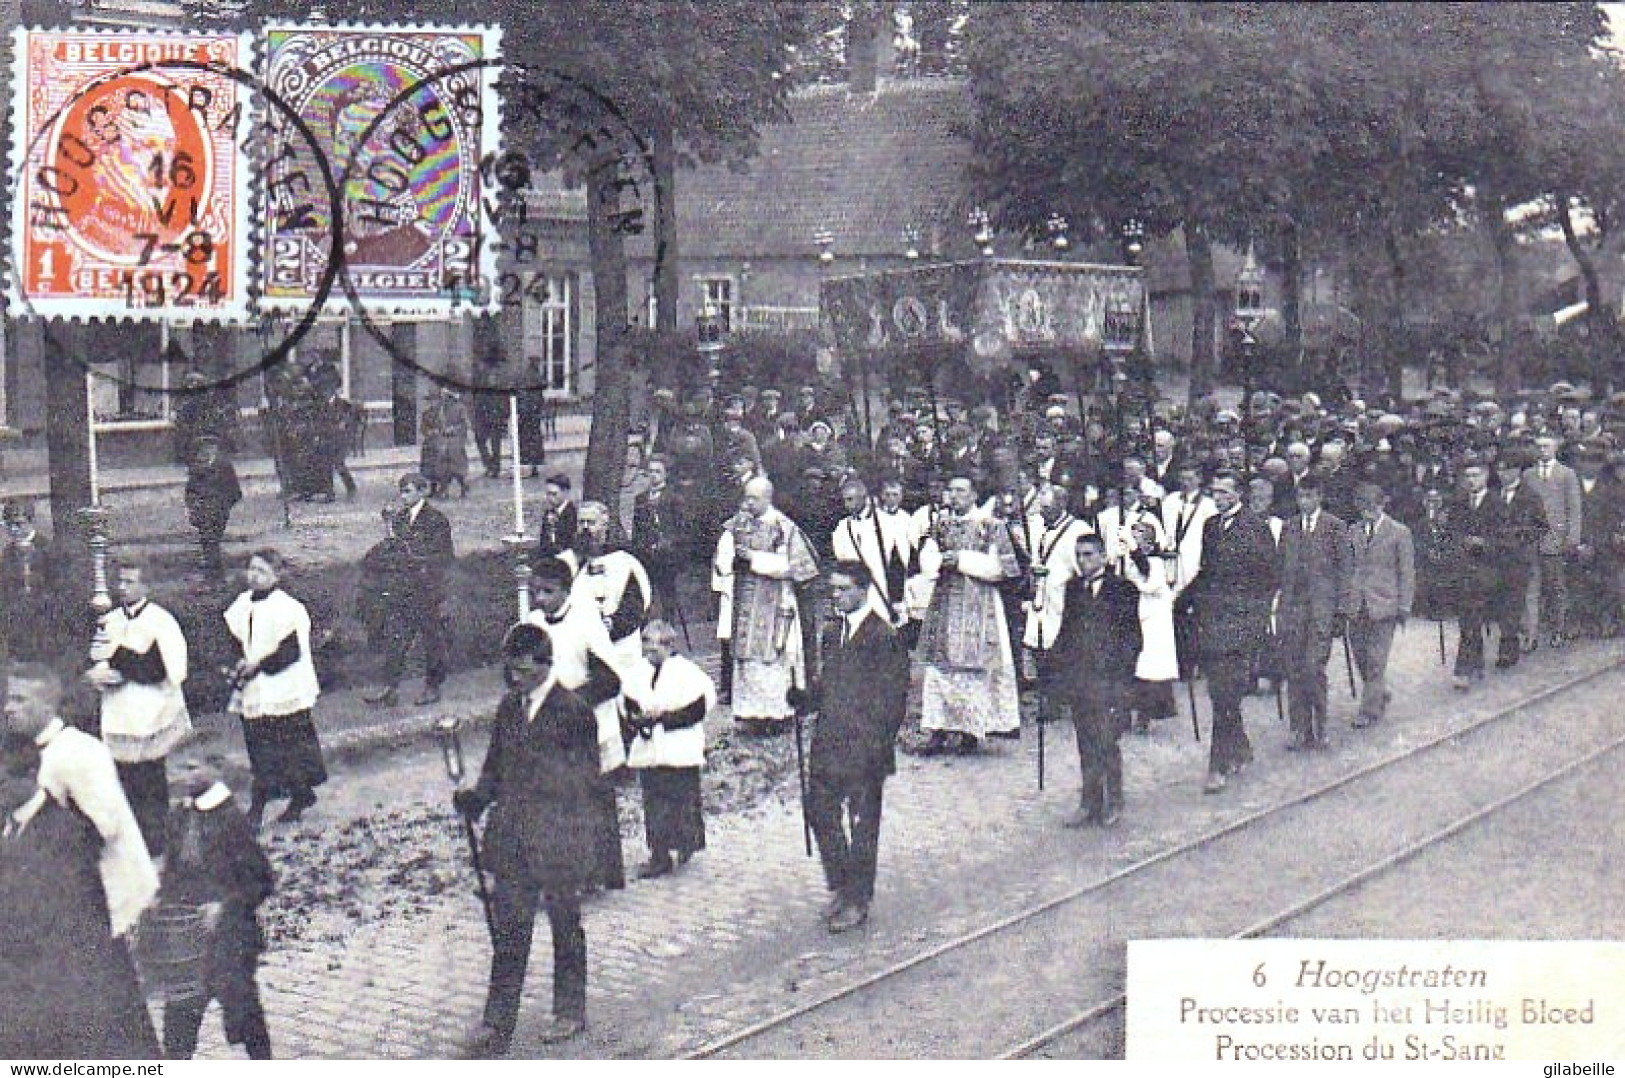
<point x="130" y="192"/>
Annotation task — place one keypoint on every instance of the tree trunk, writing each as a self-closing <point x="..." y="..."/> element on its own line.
<point x="665" y="248"/>
<point x="1508" y="376"/>
<point x="1601" y="316"/>
<point x="611" y="402"/>
<point x="1393" y="359"/>
<point x="1292" y="292"/>
<point x="1199" y="254"/>
<point x="67" y="425"/>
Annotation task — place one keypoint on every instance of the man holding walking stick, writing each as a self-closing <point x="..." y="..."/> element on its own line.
<point x="539" y="782"/>
<point x="861" y="698"/>
<point x="1231" y="595"/>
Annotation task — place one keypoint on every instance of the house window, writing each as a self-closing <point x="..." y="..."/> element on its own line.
<point x="718" y="292"/>
<point x="132" y="390"/>
<point x="550" y="330"/>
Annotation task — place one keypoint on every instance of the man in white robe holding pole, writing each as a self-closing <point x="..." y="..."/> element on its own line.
<point x="139" y="665"/>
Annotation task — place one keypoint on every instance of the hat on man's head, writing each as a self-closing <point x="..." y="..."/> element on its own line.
<point x="414" y="479"/>
<point x="1514" y="455"/>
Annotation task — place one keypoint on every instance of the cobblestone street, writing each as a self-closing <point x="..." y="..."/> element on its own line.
<point x="735" y="936"/>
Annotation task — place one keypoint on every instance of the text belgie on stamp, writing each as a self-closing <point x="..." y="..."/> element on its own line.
<point x="130" y="192"/>
<point x="410" y="185"/>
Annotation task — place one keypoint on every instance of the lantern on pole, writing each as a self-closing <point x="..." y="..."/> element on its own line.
<point x="825" y="239"/>
<point x="1057" y="227"/>
<point x="1133" y="235"/>
<point x="982" y="230"/>
<point x="1249" y="312"/>
<point x="1120" y="332"/>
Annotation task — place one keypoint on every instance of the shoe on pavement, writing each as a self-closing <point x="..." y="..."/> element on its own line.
<point x="655" y="868"/>
<point x="848" y="918"/>
<point x="560" y="1030"/>
<point x="1462" y="683"/>
<point x="1361" y="722"/>
<point x="1215" y="783"/>
<point x="382" y="697"/>
<point x="1081" y="818"/>
<point x="1297" y="744"/>
<point x="297" y="804"/>
<point x="1112" y="816"/>
<point x="430" y="695"/>
<point x="484" y="1041"/>
<point x="835" y="905"/>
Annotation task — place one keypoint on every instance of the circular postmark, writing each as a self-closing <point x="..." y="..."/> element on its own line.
<point x="131" y="193"/>
<point x="504" y="266"/>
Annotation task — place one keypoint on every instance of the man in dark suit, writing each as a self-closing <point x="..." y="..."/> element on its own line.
<point x="540" y="782"/>
<point x="560" y="520"/>
<point x="1381" y="593"/>
<point x="1514" y="547"/>
<point x="1471" y="521"/>
<point x="424" y="554"/>
<point x="1597" y="560"/>
<point x="861" y="699"/>
<point x="1096" y="650"/>
<point x="657" y="539"/>
<point x="1231" y="594"/>
<point x="1315" y="557"/>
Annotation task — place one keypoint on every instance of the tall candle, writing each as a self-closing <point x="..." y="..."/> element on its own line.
<point x="518" y="485"/>
<point x="90" y="425"/>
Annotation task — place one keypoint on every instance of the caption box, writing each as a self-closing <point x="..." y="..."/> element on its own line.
<point x="1364" y="1001"/>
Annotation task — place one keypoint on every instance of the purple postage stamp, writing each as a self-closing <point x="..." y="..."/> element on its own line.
<point x="405" y="116"/>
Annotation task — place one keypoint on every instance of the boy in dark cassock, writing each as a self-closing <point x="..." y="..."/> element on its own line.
<point x="216" y="866"/>
<point x="211" y="492"/>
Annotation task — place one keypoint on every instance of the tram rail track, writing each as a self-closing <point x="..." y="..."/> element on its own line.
<point x="1098" y="1011"/>
<point x="738" y="1042"/>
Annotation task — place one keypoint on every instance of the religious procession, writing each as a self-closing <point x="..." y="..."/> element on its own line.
<point x="1056" y="547"/>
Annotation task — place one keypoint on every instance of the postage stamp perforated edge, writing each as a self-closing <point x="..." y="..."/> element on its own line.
<point x="435" y="304"/>
<point x="237" y="306"/>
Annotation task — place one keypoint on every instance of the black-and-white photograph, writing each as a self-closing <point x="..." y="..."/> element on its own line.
<point x="907" y="529"/>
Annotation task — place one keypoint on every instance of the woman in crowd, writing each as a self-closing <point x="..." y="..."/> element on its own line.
<point x="666" y="705"/>
<point x="275" y="690"/>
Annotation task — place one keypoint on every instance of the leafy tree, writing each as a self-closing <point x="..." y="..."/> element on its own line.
<point x="1186" y="120"/>
<point x="1342" y="125"/>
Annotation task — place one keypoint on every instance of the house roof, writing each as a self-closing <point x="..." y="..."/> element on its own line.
<point x="865" y="166"/>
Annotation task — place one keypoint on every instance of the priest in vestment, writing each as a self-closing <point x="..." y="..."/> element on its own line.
<point x="761" y="557"/>
<point x="970" y="675"/>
